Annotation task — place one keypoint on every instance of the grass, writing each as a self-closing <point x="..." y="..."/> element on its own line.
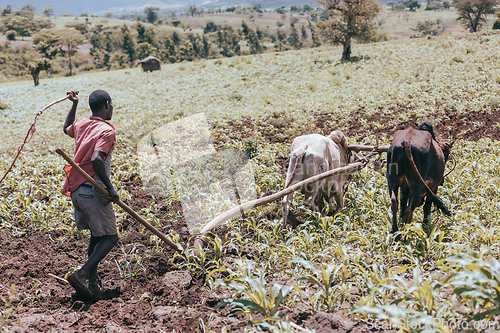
<point x="400" y="25"/>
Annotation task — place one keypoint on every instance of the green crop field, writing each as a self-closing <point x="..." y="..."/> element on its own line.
<point x="346" y="271"/>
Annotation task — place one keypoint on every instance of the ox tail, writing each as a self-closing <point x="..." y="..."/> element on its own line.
<point x="439" y="204"/>
<point x="296" y="158"/>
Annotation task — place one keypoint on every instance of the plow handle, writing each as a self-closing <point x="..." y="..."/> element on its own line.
<point x="119" y="203"/>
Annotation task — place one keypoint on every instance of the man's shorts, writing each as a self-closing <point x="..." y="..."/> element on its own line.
<point x="93" y="211"/>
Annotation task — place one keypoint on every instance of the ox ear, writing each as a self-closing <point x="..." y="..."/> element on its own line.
<point x="446" y="147"/>
<point x="339" y="138"/>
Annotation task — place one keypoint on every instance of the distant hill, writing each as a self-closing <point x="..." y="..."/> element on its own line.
<point x="182" y="5"/>
<point x="69" y="7"/>
<point x="124" y="7"/>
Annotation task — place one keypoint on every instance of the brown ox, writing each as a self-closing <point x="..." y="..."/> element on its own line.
<point x="415" y="163"/>
<point x="311" y="155"/>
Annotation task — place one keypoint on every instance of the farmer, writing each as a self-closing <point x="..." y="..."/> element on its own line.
<point x="95" y="139"/>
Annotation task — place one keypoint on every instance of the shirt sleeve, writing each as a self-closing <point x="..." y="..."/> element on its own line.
<point x="105" y="142"/>
<point x="70" y="130"/>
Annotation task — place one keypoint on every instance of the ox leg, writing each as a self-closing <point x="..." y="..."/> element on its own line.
<point x="285" y="206"/>
<point x="394" y="208"/>
<point x="288" y="216"/>
<point x="427" y="211"/>
<point x="393" y="186"/>
<point x="414" y="199"/>
<point x="404" y="203"/>
<point x="339" y="199"/>
<point x="312" y="191"/>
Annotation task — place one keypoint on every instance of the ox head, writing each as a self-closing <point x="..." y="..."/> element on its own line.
<point x="446" y="148"/>
<point x="339" y="138"/>
<point x="427" y="126"/>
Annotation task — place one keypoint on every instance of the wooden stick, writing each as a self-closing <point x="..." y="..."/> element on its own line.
<point x="53" y="103"/>
<point x="264" y="200"/>
<point x="30" y="133"/>
<point x="378" y="149"/>
<point x="63" y="281"/>
<point x="119" y="203"/>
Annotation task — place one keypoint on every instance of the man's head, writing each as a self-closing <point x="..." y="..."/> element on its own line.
<point x="427" y="126"/>
<point x="101" y="104"/>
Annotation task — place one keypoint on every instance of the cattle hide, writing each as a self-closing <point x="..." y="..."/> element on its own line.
<point x="311" y="155"/>
<point x="415" y="164"/>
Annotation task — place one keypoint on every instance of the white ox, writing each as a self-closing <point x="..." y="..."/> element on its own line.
<point x="311" y="155"/>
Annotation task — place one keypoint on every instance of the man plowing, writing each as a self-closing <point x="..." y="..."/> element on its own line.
<point x="95" y="139"/>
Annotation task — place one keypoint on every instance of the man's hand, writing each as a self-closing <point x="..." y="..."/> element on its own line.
<point x="70" y="118"/>
<point x="113" y="195"/>
<point x="73" y="95"/>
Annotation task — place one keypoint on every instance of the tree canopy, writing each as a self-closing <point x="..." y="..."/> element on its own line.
<point x="472" y="13"/>
<point x="348" y="19"/>
<point x="151" y="14"/>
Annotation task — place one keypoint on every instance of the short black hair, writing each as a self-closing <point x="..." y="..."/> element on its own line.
<point x="98" y="99"/>
<point x="427" y="126"/>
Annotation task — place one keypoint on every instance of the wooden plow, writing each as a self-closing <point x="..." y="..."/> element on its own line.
<point x="240" y="209"/>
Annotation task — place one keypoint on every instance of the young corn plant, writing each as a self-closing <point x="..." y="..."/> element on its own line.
<point x="420" y="309"/>
<point x="478" y="284"/>
<point x="253" y="295"/>
<point x="428" y="246"/>
<point x="203" y="261"/>
<point x="330" y="282"/>
<point x="131" y="263"/>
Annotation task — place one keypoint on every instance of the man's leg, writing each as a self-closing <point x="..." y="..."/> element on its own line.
<point x="92" y="244"/>
<point x="100" y="250"/>
<point x="99" y="247"/>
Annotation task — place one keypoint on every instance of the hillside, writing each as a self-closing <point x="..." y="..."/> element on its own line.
<point x="341" y="272"/>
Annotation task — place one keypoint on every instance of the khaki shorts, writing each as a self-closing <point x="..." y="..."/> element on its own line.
<point x="93" y="211"/>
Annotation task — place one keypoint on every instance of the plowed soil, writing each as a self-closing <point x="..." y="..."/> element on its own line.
<point x="161" y="297"/>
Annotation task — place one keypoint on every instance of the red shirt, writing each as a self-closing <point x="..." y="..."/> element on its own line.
<point x="90" y="135"/>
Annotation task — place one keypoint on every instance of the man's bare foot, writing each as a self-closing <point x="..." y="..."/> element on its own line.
<point x="95" y="288"/>
<point x="80" y="284"/>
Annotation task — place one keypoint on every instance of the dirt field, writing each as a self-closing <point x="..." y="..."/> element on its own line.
<point x="160" y="297"/>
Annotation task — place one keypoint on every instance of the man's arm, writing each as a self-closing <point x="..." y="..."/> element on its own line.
<point x="70" y="118"/>
<point x="100" y="170"/>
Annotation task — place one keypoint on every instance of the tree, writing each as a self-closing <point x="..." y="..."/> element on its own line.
<point x="205" y="52"/>
<point x="168" y="53"/>
<point x="293" y="38"/>
<point x="151" y="14"/>
<point x="23" y="26"/>
<point x="128" y="44"/>
<point x="70" y="39"/>
<point x="36" y="67"/>
<point x="7" y="10"/>
<point x="253" y="39"/>
<point x="303" y="32"/>
<point x="192" y="9"/>
<point x="210" y="27"/>
<point x="472" y="13"/>
<point x="144" y="50"/>
<point x="412" y="5"/>
<point x="307" y="8"/>
<point x="176" y="38"/>
<point x="48" y="11"/>
<point x="47" y="43"/>
<point x="348" y="19"/>
<point x="28" y="8"/>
